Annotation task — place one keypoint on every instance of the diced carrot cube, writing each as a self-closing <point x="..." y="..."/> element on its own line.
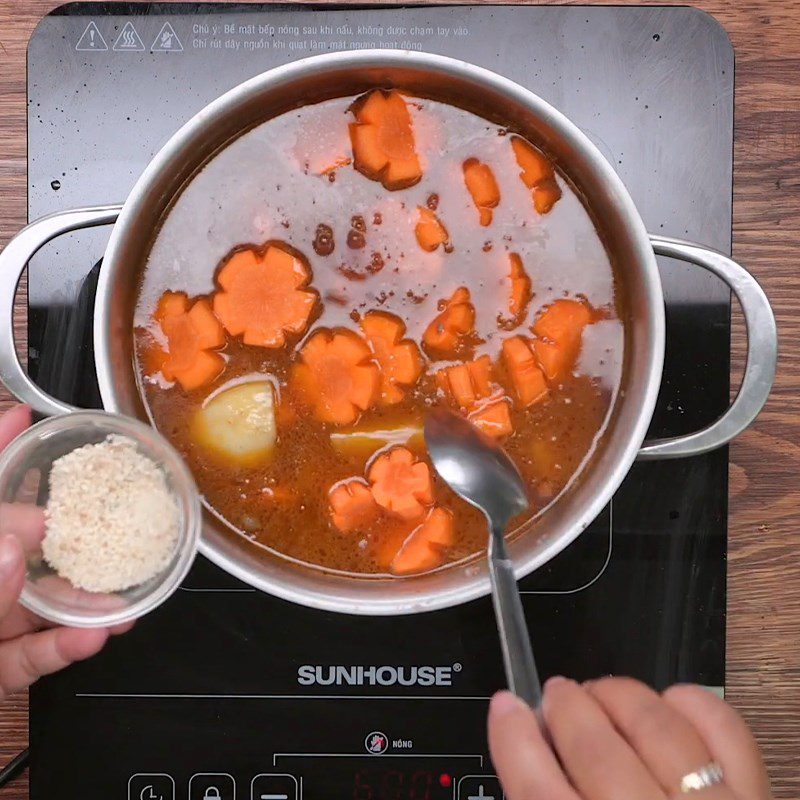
<point x="480" y="371"/>
<point x="537" y="174"/>
<point x="560" y="331"/>
<point x="483" y="187"/>
<point x="461" y="385"/>
<point x="370" y="159"/>
<point x="467" y="383"/>
<point x="493" y="419"/>
<point x="551" y="357"/>
<point x="535" y="165"/>
<point x="429" y="231"/>
<point x="563" y="321"/>
<point x="451" y="325"/>
<point x="526" y="376"/>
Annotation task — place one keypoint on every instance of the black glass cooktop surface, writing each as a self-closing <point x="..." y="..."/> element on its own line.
<point x="226" y="692"/>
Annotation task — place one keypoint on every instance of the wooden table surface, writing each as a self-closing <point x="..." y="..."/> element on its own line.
<point x="763" y="664"/>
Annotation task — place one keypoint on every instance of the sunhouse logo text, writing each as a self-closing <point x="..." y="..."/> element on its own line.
<point x="318" y="675"/>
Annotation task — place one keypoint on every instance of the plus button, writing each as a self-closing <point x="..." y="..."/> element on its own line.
<point x="479" y="787"/>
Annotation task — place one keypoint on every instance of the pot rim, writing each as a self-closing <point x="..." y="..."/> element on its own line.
<point x="472" y="586"/>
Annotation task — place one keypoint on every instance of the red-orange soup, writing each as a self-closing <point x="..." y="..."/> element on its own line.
<point x="367" y="259"/>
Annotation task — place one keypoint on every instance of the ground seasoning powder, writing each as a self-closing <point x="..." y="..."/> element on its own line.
<point x="111" y="520"/>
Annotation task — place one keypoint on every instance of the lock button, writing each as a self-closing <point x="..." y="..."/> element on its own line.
<point x="212" y="786"/>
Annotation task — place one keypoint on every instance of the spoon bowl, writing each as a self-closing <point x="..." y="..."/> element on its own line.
<point x="474" y="466"/>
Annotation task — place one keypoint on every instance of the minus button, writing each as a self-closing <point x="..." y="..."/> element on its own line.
<point x="274" y="786"/>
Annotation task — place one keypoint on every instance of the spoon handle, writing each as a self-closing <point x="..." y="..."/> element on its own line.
<point x="521" y="673"/>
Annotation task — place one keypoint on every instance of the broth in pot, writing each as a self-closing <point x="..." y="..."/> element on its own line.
<point x="338" y="270"/>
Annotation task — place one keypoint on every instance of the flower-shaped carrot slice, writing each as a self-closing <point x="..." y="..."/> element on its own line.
<point x="426" y="546"/>
<point x="452" y="324"/>
<point x="383" y="140"/>
<point x="483" y="187"/>
<point x="429" y="231"/>
<point x="494" y="419"/>
<point x="399" y="359"/>
<point x="560" y="332"/>
<point x="263" y="296"/>
<point x="537" y="174"/>
<point x="400" y="484"/>
<point x="467" y="383"/>
<point x="191" y="331"/>
<point x="336" y="376"/>
<point x="352" y="505"/>
<point x="526" y="376"/>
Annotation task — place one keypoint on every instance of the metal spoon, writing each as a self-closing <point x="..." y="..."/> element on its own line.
<point x="477" y="469"/>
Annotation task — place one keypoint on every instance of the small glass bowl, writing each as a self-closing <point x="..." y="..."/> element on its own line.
<point x="24" y="478"/>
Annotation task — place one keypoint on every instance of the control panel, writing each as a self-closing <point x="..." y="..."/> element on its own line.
<point x="418" y="778"/>
<point x="385" y="768"/>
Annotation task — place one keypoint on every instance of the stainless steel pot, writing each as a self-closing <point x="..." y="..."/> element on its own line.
<point x="338" y="74"/>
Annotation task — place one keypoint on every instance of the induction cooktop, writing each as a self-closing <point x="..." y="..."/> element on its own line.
<point x="228" y="693"/>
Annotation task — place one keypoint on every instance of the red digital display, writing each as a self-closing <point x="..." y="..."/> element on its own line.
<point x="389" y="777"/>
<point x="398" y="784"/>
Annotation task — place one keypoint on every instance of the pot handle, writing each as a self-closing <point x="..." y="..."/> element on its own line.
<point x="762" y="353"/>
<point x="13" y="260"/>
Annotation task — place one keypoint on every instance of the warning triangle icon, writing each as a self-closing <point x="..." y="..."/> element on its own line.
<point x="167" y="41"/>
<point x="128" y="39"/>
<point x="91" y="39"/>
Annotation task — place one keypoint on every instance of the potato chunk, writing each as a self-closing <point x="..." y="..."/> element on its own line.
<point x="238" y="424"/>
<point x="361" y="442"/>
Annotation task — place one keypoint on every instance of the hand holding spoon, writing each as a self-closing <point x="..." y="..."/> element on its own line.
<point x="478" y="470"/>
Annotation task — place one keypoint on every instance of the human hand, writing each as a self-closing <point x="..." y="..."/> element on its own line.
<point x="616" y="739"/>
<point x="29" y="646"/>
